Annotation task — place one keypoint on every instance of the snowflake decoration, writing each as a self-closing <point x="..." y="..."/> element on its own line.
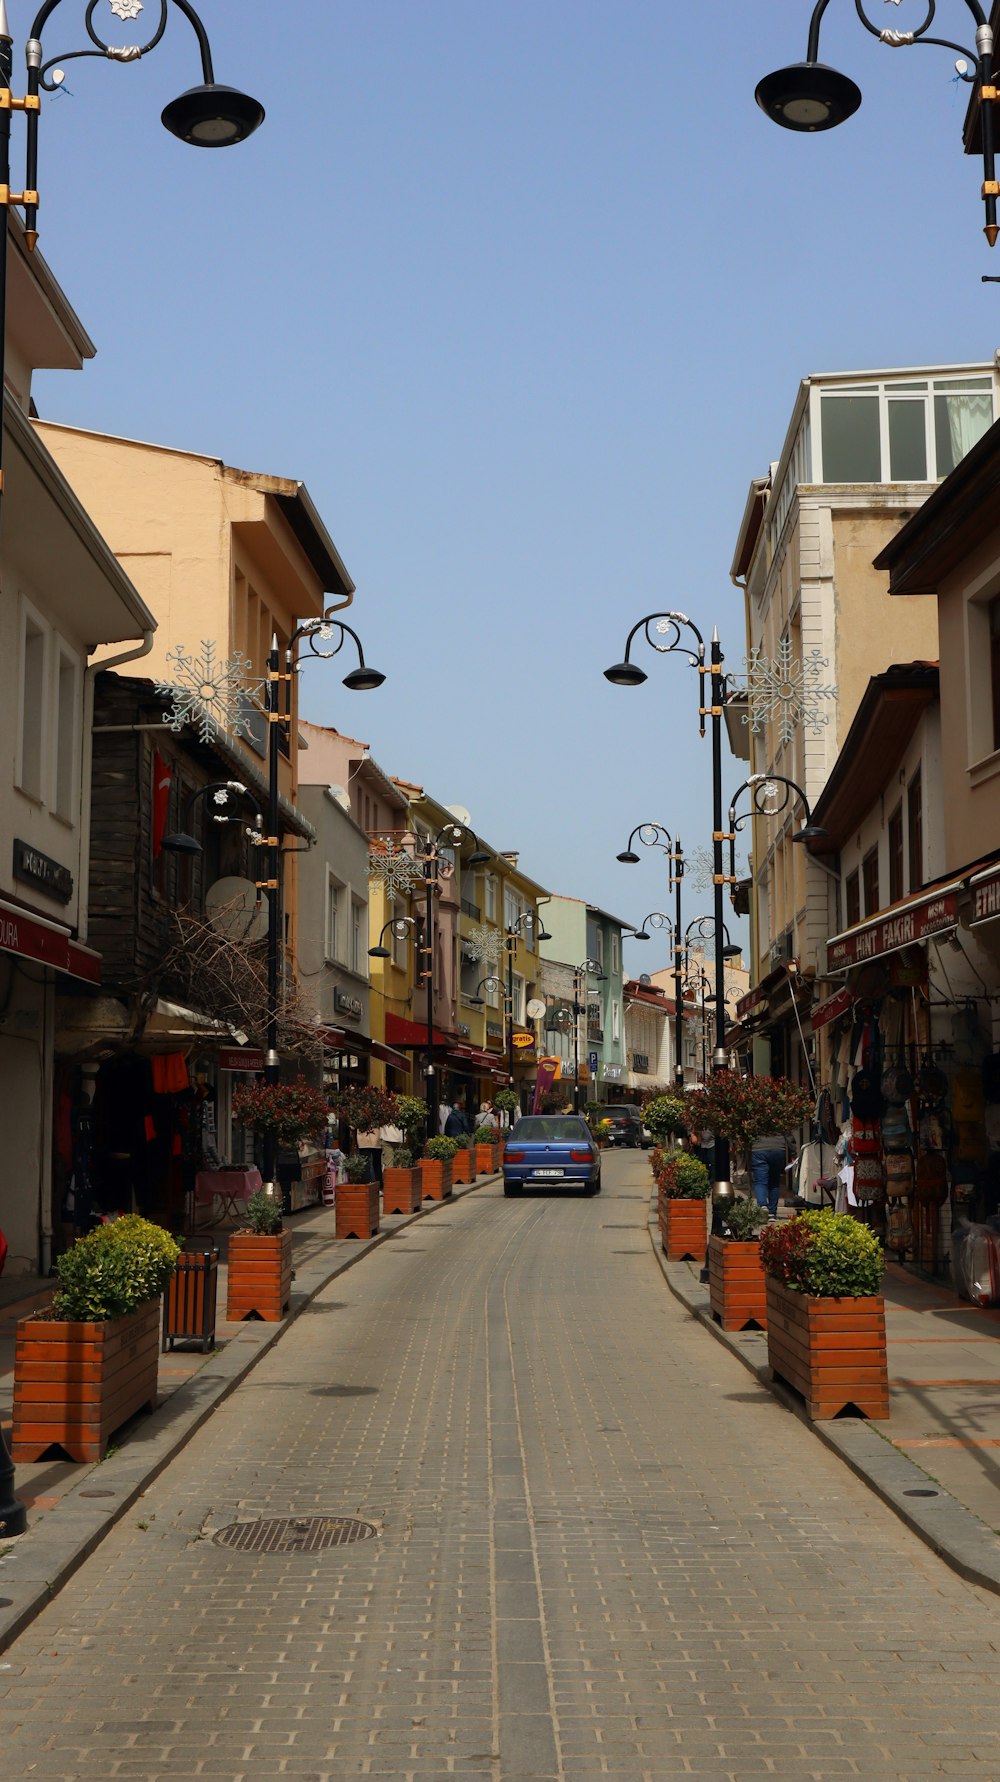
<point x="209" y="693"/>
<point x="785" y="688"/>
<point x="126" y="9"/>
<point x="483" y="943"/>
<point x="699" y="868"/>
<point x="397" y="869"/>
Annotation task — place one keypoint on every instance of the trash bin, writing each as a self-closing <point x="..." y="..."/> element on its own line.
<point x="189" y="1304"/>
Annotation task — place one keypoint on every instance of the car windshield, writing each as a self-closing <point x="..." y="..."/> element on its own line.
<point x="557" y="1128"/>
<point x="621" y="1113"/>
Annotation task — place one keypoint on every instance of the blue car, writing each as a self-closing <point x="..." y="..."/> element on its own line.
<point x="551" y="1151"/>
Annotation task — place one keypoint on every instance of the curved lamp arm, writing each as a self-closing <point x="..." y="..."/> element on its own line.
<point x="649" y="834"/>
<point x="667" y="641"/>
<point x="399" y="925"/>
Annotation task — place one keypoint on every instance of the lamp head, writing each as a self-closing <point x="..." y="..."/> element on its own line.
<point x="811" y="832"/>
<point x="625" y="674"/>
<point x="478" y="858"/>
<point x="475" y="1002"/>
<point x="732" y="951"/>
<point x="628" y="858"/>
<point x="363" y="679"/>
<point x="543" y="935"/>
<point x="179" y="843"/>
<point x="808" y="96"/>
<point x="640" y="934"/>
<point x="379" y="953"/>
<point x="211" y="116"/>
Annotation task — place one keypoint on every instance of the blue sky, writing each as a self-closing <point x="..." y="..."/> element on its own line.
<point x="522" y="291"/>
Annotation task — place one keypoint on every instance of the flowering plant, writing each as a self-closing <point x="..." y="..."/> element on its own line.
<point x="743" y="1108"/>
<point x="293" y="1111"/>
<point x="441" y="1149"/>
<point x="829" y="1255"/>
<point x="366" y="1107"/>
<point x="684" y="1178"/>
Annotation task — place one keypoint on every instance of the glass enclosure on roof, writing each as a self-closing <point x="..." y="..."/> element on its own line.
<point x="907" y="432"/>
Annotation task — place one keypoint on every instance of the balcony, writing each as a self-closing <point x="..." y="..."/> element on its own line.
<point x="471" y="909"/>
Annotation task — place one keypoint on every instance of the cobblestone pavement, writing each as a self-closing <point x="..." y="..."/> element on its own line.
<point x="602" y="1551"/>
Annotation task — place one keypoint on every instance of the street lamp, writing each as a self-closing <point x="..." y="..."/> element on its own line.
<point x="428" y="852"/>
<point x="700" y="984"/>
<point x="649" y="835"/>
<point x="668" y="639"/>
<point x="588" y="968"/>
<point x="224" y="795"/>
<point x="527" y="919"/>
<point x="770" y="794"/>
<point x="399" y="925"/>
<point x="810" y="96"/>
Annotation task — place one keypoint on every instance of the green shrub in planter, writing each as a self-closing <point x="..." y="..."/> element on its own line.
<point x="263" y="1214"/>
<point x="507" y="1101"/>
<point x="745" y="1221"/>
<point x="442" y="1149"/>
<point x="358" y="1167"/>
<point x="685" y="1178"/>
<point x="484" y="1135"/>
<point x="113" y="1270"/>
<point x="828" y="1255"/>
<point x="411" y="1115"/>
<point x="402" y="1158"/>
<point x="664" y="1116"/>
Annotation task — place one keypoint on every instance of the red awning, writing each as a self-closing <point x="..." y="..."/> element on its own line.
<point x="50" y="943"/>
<point x="412" y="1034"/>
<point x="831" y="1009"/>
<point x="912" y="919"/>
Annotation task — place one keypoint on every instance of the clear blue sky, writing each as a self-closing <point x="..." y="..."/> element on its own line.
<point x="522" y="291"/>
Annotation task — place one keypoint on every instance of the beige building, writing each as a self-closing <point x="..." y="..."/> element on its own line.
<point x="63" y="594"/>
<point x="861" y="454"/>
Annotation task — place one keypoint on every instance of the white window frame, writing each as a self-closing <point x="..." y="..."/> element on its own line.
<point x="616" y="1020"/>
<point x="614" y="951"/>
<point x="493" y="990"/>
<point x="358" y="954"/>
<point x="62" y="799"/>
<point x="333" y="942"/>
<point x="883" y="388"/>
<point x="400" y="942"/>
<point x="490" y="896"/>
<point x="29" y="615"/>
<point x="518" y="988"/>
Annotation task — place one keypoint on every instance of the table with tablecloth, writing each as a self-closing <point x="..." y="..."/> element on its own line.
<point x="231" y="1188"/>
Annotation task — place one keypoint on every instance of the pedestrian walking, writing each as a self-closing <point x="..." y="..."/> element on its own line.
<point x="457" y="1124"/>
<point x="488" y="1118"/>
<point x="768" y="1162"/>
<point x="444" y="1109"/>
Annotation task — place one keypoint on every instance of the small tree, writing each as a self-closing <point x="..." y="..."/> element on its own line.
<point x="366" y="1108"/>
<point x="507" y="1101"/>
<point x="664" y="1115"/>
<point x="411" y="1116"/>
<point x="742" y="1109"/>
<point x="292" y="1111"/>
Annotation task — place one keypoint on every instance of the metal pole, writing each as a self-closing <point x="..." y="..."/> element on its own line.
<point x="511" y="936"/>
<point x="576" y="1042"/>
<point x="678" y="986"/>
<point x="722" y="1190"/>
<point x="430" y="862"/>
<point x="272" y="1067"/>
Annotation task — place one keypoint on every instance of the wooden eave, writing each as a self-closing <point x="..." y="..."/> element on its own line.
<point x="873" y="749"/>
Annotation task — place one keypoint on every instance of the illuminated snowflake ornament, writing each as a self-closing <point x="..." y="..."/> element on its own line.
<point x="209" y="692"/>
<point x="397" y="870"/>
<point x="483" y="943"/>
<point x="785" y="689"/>
<point x="699" y="867"/>
<point x="126" y="9"/>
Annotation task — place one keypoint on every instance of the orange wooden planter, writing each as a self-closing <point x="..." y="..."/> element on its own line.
<point x="684" y="1228"/>
<point x="486" y="1160"/>
<point x="463" y="1166"/>
<point x="832" y="1351"/>
<point x="75" y="1384"/>
<point x="259" y="1281"/>
<point x="401" y="1190"/>
<point x="435" y="1178"/>
<point x="357" y="1209"/>
<point x="736" y="1284"/>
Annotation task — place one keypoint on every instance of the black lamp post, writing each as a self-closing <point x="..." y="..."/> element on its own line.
<point x="515" y="929"/>
<point x="588" y="968"/>
<point x="668" y="639"/>
<point x="809" y="96"/>
<point x="225" y="794"/>
<point x="770" y="795"/>
<point x="700" y="984"/>
<point x="399" y="925"/>
<point x="657" y="919"/>
<point x="428" y="852"/>
<point x="649" y="835"/>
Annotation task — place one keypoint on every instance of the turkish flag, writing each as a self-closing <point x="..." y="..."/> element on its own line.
<point x="163" y="778"/>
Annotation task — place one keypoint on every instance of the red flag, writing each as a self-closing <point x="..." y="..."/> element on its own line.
<point x="163" y="776"/>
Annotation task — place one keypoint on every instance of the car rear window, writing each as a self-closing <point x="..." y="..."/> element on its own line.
<point x="621" y="1113"/>
<point x="566" y="1129"/>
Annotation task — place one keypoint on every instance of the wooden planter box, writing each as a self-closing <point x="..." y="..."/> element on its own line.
<point x="684" y="1229"/>
<point x="190" y="1302"/>
<point x="75" y="1384"/>
<point x="259" y="1283"/>
<point x="486" y="1159"/>
<point x="463" y="1167"/>
<point x="357" y="1209"/>
<point x="401" y="1191"/>
<point x="832" y="1351"/>
<point x="435" y="1178"/>
<point x="736" y="1284"/>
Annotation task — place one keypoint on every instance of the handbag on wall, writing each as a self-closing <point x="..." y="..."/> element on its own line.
<point x="931" y="1179"/>
<point x="866" y="1139"/>
<point x="898" y="1175"/>
<point x="868" y="1178"/>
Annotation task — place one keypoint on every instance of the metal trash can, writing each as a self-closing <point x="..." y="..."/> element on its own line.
<point x="191" y="1298"/>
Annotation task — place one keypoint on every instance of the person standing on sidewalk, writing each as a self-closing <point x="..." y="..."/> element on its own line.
<point x="457" y="1124"/>
<point x="768" y="1162"/>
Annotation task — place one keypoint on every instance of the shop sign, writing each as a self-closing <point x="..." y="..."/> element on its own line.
<point x="351" y="1006"/>
<point x="986" y="899"/>
<point x="640" y="1063"/>
<point x="893" y="932"/>
<point x="464" y="1030"/>
<point x="239" y="1058"/>
<point x="39" y="869"/>
<point x="830" y="1009"/>
<point x="754" y="999"/>
<point x="522" y="1041"/>
<point x="34" y="938"/>
<point x="612" y="1073"/>
<point x="494" y="1030"/>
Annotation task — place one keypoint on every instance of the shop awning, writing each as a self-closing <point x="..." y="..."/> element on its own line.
<point x="832" y="1009"/>
<point x="911" y="920"/>
<point x="985" y="895"/>
<point x="340" y="1039"/>
<point x="50" y="943"/>
<point x="412" y="1035"/>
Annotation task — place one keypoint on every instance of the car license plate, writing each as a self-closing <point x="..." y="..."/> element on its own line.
<point x="548" y="1172"/>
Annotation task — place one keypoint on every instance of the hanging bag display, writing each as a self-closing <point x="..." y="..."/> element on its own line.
<point x="967" y="1098"/>
<point x="866" y="1139"/>
<point x="868" y="1178"/>
<point x="897" y="1085"/>
<point x="866" y="1099"/>
<point x="931" y="1179"/>
<point x="931" y="1081"/>
<point x="898" y="1175"/>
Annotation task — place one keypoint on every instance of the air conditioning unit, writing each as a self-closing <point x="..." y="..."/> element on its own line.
<point x="782" y="950"/>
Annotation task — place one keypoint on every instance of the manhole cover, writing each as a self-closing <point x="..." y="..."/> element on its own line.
<point x="294" y="1534"/>
<point x="921" y="1491"/>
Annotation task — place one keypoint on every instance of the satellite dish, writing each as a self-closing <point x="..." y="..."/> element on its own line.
<point x="536" y="1009"/>
<point x="340" y="796"/>
<point x="645" y="978"/>
<point x="234" y="908"/>
<point x="460" y="814"/>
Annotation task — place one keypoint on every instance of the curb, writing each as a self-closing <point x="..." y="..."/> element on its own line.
<point x="958" y="1537"/>
<point x="35" y="1569"/>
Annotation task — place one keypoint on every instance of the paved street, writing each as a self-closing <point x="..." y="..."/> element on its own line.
<point x="602" y="1551"/>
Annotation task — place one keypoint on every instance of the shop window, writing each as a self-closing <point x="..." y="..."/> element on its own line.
<point x="34" y="652"/>
<point x="852" y="899"/>
<point x="915" y="825"/>
<point x="896" y="854"/>
<point x="869" y="874"/>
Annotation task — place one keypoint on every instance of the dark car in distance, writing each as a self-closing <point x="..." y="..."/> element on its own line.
<point x="626" y="1124"/>
<point x="551" y="1151"/>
